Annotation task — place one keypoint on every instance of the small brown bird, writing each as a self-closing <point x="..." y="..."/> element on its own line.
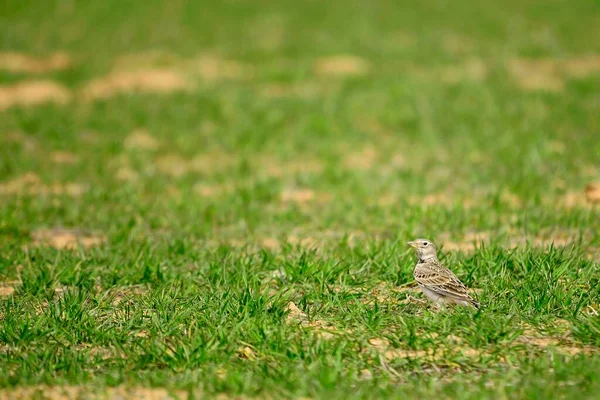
<point x="436" y="281"/>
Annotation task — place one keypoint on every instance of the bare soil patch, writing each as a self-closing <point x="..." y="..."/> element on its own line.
<point x="441" y="352"/>
<point x="274" y="244"/>
<point x="471" y="241"/>
<point x="536" y="74"/>
<point x="64" y="157"/>
<point x="78" y="392"/>
<point x="30" y="184"/>
<point x="32" y="93"/>
<point x="126" y="294"/>
<point x="457" y="44"/>
<point x="317" y="239"/>
<point x="140" y="139"/>
<point x="301" y="90"/>
<point x="175" y="165"/>
<point x="581" y="66"/>
<point x="65" y="238"/>
<point x="532" y="338"/>
<point x="575" y="198"/>
<point x="246" y="353"/>
<point x="298" y="195"/>
<point x="211" y="190"/>
<point x="213" y="68"/>
<point x="551" y="74"/>
<point x="208" y="67"/>
<point x="361" y="160"/>
<point x="303" y="197"/>
<point x="447" y="199"/>
<point x="6" y="291"/>
<point x="160" y="81"/>
<point x="24" y="63"/>
<point x="341" y="65"/>
<point x="592" y="192"/>
<point x="278" y="168"/>
<point x="297" y="316"/>
<point x="127" y="174"/>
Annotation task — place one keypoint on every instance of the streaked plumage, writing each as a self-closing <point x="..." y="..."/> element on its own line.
<point x="436" y="281"/>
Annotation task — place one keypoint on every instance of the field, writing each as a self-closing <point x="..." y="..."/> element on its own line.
<point x="213" y="199"/>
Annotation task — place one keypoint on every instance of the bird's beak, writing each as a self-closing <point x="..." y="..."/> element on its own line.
<point x="412" y="244"/>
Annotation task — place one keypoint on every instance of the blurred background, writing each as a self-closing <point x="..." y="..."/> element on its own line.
<point x="240" y="118"/>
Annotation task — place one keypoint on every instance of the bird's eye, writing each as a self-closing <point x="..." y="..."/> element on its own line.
<point x="425" y="243"/>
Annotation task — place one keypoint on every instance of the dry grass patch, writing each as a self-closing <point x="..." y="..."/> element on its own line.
<point x="212" y="190"/>
<point x="550" y="74"/>
<point x="275" y="244"/>
<point x="302" y="90"/>
<point x="298" y="195"/>
<point x="383" y="293"/>
<point x="450" y="199"/>
<point x="175" y="165"/>
<point x="208" y="67"/>
<point x="161" y="81"/>
<point x="592" y="192"/>
<point x="445" y="199"/>
<point x="536" y="74"/>
<point x="457" y="44"/>
<point x="472" y="70"/>
<point x="278" y="168"/>
<point x="532" y="338"/>
<point x="471" y="241"/>
<point x="81" y="392"/>
<point x="246" y="353"/>
<point x="305" y="241"/>
<point x="440" y="353"/>
<point x="373" y="126"/>
<point x="270" y="243"/>
<point x="297" y="316"/>
<point x="387" y="199"/>
<point x="213" y="68"/>
<point x="140" y="139"/>
<point x="65" y="238"/>
<point x="127" y="174"/>
<point x="341" y="65"/>
<point x="146" y="60"/>
<point x="581" y="66"/>
<point x="6" y="291"/>
<point x="64" y="157"/>
<point x="30" y="184"/>
<point x="361" y="160"/>
<point x="32" y="93"/>
<point x="304" y="198"/>
<point x="24" y="63"/>
<point x="316" y="240"/>
<point x="125" y="294"/>
<point x="574" y="199"/>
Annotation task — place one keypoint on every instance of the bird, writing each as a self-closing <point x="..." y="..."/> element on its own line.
<point x="436" y="281"/>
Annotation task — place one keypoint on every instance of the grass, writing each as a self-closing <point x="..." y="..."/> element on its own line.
<point x="240" y="230"/>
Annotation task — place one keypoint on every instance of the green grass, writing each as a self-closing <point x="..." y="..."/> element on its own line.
<point x="278" y="184"/>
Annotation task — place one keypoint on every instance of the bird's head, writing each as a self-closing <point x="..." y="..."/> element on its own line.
<point x="425" y="249"/>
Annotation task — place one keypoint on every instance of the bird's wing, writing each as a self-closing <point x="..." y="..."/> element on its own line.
<point x="434" y="276"/>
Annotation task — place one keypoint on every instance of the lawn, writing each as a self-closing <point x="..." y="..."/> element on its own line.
<point x="213" y="199"/>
